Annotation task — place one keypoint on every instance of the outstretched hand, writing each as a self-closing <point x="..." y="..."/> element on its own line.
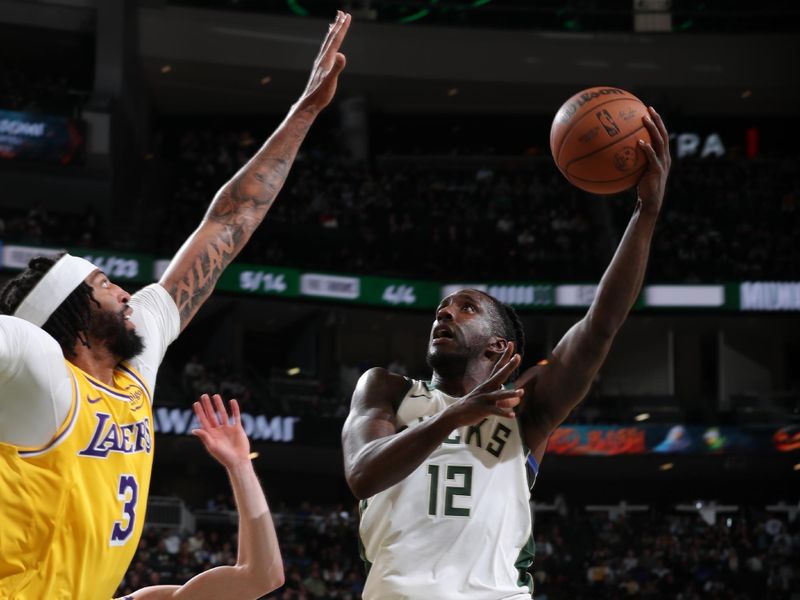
<point x="224" y="439"/>
<point x="329" y="63"/>
<point x="490" y="398"/>
<point x="654" y="181"/>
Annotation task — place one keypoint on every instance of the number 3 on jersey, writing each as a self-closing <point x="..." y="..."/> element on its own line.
<point x="128" y="493"/>
<point x="458" y="474"/>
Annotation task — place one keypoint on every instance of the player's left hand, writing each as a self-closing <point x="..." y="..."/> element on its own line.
<point x="225" y="440"/>
<point x="329" y="63"/>
<point x="654" y="181"/>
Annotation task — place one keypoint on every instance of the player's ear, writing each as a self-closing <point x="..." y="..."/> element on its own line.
<point x="496" y="347"/>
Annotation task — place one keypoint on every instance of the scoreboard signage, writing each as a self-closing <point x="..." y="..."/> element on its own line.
<point x="120" y="266"/>
<point x="259" y="279"/>
<point x="770" y="295"/>
<point x="599" y="440"/>
<point x="40" y="137"/>
<point x="264" y="280"/>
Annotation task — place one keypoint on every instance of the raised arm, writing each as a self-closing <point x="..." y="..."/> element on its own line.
<point x="241" y="204"/>
<point x="259" y="568"/>
<point x="376" y="456"/>
<point x="555" y="387"/>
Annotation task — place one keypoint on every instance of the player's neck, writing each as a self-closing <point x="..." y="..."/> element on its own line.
<point x="460" y="385"/>
<point x="96" y="360"/>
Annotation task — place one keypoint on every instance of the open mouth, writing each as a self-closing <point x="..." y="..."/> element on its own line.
<point x="442" y="332"/>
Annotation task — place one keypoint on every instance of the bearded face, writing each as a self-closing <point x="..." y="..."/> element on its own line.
<point x="111" y="329"/>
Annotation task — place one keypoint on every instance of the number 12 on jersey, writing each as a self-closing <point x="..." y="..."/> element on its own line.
<point x="461" y="478"/>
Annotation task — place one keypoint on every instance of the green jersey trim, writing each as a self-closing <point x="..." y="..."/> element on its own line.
<point x="524" y="562"/>
<point x="362" y="552"/>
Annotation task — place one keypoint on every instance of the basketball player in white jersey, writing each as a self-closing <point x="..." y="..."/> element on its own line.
<point x="259" y="568"/>
<point x="78" y="361"/>
<point x="440" y="466"/>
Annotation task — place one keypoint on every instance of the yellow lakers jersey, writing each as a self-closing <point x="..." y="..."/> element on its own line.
<point x="71" y="513"/>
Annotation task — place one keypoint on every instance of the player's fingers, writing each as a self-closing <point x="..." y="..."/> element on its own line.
<point x="650" y="153"/>
<point x="504" y="372"/>
<point x="510" y="414"/>
<point x="342" y="32"/>
<point x="655" y="135"/>
<point x="332" y="60"/>
<point x="502" y="394"/>
<point x="200" y="413"/>
<point x="326" y="41"/>
<point x="338" y="65"/>
<point x="508" y="402"/>
<point x="330" y="39"/>
<point x="204" y="414"/>
<point x="662" y="129"/>
<point x="504" y="357"/>
<point x="237" y="417"/>
<point x="211" y="414"/>
<point x="219" y="405"/>
<point x="202" y="434"/>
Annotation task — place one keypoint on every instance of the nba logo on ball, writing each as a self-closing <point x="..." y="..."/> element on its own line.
<point x="594" y="140"/>
<point x="607" y="121"/>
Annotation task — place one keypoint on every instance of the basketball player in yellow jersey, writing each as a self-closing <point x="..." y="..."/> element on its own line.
<point x="259" y="568"/>
<point x="78" y="360"/>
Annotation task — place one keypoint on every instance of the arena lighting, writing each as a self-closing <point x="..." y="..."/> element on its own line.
<point x="265" y="80"/>
<point x="293" y="371"/>
<point x="166" y="69"/>
<point x="666" y="467"/>
<point x="252" y="455"/>
<point x="641" y="417"/>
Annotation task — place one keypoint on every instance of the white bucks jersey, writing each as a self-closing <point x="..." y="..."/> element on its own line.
<point x="459" y="526"/>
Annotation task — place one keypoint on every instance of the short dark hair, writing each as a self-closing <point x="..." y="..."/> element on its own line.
<point x="507" y="324"/>
<point x="70" y="322"/>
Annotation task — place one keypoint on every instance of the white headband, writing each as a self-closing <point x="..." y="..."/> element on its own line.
<point x="58" y="283"/>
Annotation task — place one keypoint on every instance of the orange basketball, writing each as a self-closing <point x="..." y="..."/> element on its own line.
<point x="595" y="140"/>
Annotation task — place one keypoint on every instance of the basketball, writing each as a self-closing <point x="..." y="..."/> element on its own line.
<point x="594" y="140"/>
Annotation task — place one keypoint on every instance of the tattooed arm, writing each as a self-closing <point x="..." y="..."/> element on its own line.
<point x="241" y="204"/>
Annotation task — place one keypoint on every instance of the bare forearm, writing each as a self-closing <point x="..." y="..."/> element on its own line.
<point x="622" y="281"/>
<point x="244" y="200"/>
<point x="388" y="460"/>
<point x="557" y="387"/>
<point x="258" y="542"/>
<point x="237" y="210"/>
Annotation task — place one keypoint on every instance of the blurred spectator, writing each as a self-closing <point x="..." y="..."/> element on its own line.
<point x="724" y="219"/>
<point x="192" y="371"/>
